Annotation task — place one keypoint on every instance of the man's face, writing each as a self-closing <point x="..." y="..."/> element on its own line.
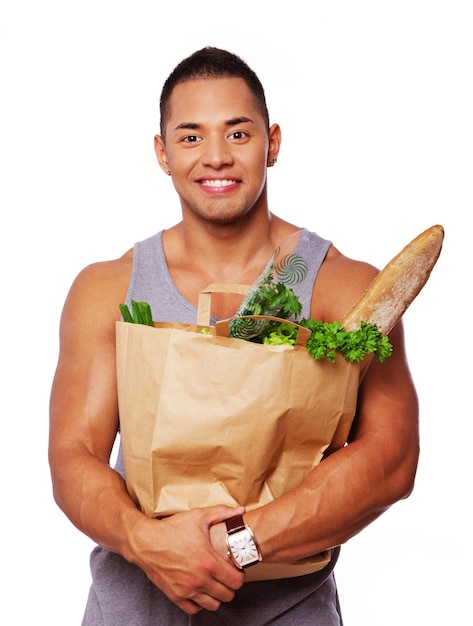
<point x="217" y="148"/>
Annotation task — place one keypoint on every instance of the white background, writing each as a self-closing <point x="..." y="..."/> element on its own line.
<point x="375" y="102"/>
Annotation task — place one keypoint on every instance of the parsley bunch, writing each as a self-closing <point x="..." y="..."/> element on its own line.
<point x="329" y="337"/>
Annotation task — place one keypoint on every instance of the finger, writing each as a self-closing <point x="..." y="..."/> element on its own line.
<point x="220" y="513"/>
<point x="207" y="602"/>
<point x="189" y="607"/>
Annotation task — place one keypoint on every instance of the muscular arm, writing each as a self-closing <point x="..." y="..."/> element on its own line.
<point x="176" y="553"/>
<point x="356" y="484"/>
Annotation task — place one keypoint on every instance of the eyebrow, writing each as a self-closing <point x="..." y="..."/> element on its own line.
<point x="234" y="121"/>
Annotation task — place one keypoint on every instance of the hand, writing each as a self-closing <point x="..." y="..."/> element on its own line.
<point x="178" y="557"/>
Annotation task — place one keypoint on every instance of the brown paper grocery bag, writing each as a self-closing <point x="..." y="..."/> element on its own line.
<point x="208" y="420"/>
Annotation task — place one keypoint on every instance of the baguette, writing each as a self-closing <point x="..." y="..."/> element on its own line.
<point x="397" y="285"/>
<point x="389" y="295"/>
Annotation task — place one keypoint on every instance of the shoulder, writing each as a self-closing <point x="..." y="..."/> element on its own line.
<point x="94" y="297"/>
<point x="340" y="283"/>
<point x="95" y="274"/>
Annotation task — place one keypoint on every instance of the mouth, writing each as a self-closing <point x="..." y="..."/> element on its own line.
<point x="218" y="186"/>
<point x="218" y="183"/>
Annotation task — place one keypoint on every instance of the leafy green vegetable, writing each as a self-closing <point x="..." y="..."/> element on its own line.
<point x="141" y="313"/>
<point x="283" y="335"/>
<point x="329" y="337"/>
<point x="268" y="297"/>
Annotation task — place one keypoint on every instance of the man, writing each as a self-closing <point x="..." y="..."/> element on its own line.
<point x="216" y="143"/>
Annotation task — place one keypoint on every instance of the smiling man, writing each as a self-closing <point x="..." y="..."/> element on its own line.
<point x="216" y="143"/>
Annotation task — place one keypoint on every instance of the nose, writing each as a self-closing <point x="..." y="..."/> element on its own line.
<point x="217" y="152"/>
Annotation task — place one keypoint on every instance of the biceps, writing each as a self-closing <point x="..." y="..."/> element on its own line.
<point x="387" y="418"/>
<point x="83" y="408"/>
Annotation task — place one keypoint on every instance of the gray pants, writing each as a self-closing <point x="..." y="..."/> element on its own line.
<point x="121" y="595"/>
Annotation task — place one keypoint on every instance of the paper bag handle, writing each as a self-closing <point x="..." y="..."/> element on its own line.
<point x="205" y="299"/>
<point x="222" y="327"/>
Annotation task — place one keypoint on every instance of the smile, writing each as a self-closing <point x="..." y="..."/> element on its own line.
<point x="217" y="183"/>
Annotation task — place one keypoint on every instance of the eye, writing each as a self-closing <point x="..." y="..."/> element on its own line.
<point x="238" y="135"/>
<point x="191" y="139"/>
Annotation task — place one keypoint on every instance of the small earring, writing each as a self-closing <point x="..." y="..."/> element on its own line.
<point x="168" y="172"/>
<point x="272" y="162"/>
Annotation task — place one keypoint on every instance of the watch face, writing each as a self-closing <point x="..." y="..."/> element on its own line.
<point x="243" y="548"/>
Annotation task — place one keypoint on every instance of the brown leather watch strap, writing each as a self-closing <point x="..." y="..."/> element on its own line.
<point x="234" y="523"/>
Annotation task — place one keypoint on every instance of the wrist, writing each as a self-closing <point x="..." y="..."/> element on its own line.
<point x="242" y="547"/>
<point x="217" y="539"/>
<point x="140" y="535"/>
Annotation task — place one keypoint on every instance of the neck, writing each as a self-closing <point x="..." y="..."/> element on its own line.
<point x="226" y="258"/>
<point x="201" y="256"/>
<point x="231" y="248"/>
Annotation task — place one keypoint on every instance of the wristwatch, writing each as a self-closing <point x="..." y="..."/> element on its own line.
<point x="241" y="543"/>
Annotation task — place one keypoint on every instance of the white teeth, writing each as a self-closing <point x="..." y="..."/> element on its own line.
<point x="217" y="183"/>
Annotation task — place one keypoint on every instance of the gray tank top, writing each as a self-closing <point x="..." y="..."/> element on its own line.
<point x="151" y="282"/>
<point x="121" y="594"/>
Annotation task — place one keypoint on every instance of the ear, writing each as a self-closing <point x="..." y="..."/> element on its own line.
<point x="160" y="150"/>
<point x="274" y="144"/>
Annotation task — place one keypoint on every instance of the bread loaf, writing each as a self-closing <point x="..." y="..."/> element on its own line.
<point x="396" y="286"/>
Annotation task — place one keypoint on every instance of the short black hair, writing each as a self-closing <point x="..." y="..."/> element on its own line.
<point x="208" y="63"/>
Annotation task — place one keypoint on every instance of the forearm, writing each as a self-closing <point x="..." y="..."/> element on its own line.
<point x="94" y="497"/>
<point x="340" y="497"/>
<point x="174" y="553"/>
